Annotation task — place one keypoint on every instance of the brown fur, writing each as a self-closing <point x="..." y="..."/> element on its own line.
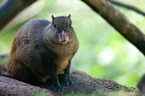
<point x="36" y="53"/>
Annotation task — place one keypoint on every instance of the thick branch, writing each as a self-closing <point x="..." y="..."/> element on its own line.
<point x="119" y="22"/>
<point x="83" y="84"/>
<point x="10" y="8"/>
<point x="127" y="6"/>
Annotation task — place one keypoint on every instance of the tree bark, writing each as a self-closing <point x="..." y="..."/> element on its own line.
<point x="119" y="22"/>
<point x="83" y="84"/>
<point x="10" y="8"/>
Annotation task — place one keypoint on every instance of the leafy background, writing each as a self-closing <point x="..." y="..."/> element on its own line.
<point x="103" y="52"/>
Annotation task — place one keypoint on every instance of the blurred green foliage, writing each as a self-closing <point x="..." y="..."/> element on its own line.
<point x="1" y="1"/>
<point x="103" y="52"/>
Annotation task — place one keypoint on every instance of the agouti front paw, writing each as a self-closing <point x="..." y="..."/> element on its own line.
<point x="52" y="86"/>
<point x="65" y="79"/>
<point x="58" y="88"/>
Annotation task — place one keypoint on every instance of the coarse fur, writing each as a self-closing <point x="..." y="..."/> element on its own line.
<point x="141" y="84"/>
<point x="37" y="54"/>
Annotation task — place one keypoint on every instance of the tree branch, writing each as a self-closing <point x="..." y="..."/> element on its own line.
<point x="10" y="8"/>
<point x="127" y="6"/>
<point x="119" y="22"/>
<point x="83" y="84"/>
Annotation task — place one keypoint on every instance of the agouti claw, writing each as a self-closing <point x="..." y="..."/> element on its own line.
<point x="53" y="87"/>
<point x="69" y="82"/>
<point x="58" y="88"/>
<point x="61" y="89"/>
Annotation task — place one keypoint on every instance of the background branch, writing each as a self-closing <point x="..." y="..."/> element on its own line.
<point x="119" y="22"/>
<point x="10" y="8"/>
<point x="127" y="6"/>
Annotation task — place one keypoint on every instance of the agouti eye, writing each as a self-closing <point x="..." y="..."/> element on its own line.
<point x="60" y="35"/>
<point x="54" y="25"/>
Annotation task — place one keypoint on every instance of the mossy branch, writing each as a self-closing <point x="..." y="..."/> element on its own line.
<point x="11" y="8"/>
<point x="119" y="22"/>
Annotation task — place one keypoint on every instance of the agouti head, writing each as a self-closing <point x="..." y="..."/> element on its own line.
<point x="63" y="29"/>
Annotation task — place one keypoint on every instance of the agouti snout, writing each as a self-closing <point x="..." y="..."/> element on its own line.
<point x="63" y="37"/>
<point x="41" y="50"/>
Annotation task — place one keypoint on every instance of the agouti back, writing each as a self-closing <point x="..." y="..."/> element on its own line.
<point x="41" y="50"/>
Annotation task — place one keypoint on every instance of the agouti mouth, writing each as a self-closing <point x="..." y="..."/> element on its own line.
<point x="63" y="42"/>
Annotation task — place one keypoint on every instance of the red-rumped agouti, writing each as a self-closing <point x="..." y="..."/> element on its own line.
<point x="41" y="50"/>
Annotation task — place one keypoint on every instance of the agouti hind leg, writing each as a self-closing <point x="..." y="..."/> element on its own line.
<point x="20" y="72"/>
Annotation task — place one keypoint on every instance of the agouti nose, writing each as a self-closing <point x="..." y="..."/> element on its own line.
<point x="63" y="34"/>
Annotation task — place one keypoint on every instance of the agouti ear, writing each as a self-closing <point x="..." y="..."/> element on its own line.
<point x="53" y="19"/>
<point x="69" y="16"/>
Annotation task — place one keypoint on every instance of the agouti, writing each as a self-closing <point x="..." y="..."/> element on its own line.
<point x="41" y="50"/>
<point x="141" y="84"/>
